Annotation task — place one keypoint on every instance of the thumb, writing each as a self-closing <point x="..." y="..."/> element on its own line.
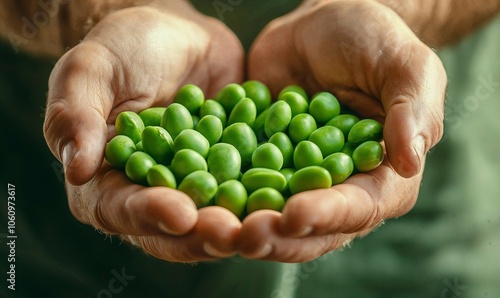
<point x="79" y="100"/>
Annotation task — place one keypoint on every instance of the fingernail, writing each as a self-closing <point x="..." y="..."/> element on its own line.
<point x="69" y="152"/>
<point x="418" y="145"/>
<point x="209" y="249"/>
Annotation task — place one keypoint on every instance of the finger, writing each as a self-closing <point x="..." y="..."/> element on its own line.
<point x="261" y="239"/>
<point x="214" y="236"/>
<point x="79" y="99"/>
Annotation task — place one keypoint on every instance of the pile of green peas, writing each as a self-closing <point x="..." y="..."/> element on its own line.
<point x="241" y="150"/>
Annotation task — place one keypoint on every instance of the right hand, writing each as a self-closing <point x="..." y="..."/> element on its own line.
<point x="133" y="59"/>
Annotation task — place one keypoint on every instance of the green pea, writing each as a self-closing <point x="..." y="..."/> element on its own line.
<point x="157" y="142"/>
<point x="301" y="127"/>
<point x="138" y="146"/>
<point x="324" y="106"/>
<point x="256" y="178"/>
<point x="265" y="198"/>
<point x="365" y="130"/>
<point x="258" y="126"/>
<point x="307" y="154"/>
<point x="348" y="148"/>
<point x="278" y="118"/>
<point x="200" y="186"/>
<point x="196" y="119"/>
<point x="176" y="119"/>
<point x="294" y="88"/>
<point x="233" y="196"/>
<point x="211" y="128"/>
<point x="244" y="111"/>
<point x="152" y="116"/>
<point x="160" y="175"/>
<point x="259" y="93"/>
<point x="309" y="178"/>
<point x="343" y="122"/>
<point x="328" y="138"/>
<point x="137" y="167"/>
<point x="241" y="136"/>
<point x="297" y="102"/>
<point x="368" y="156"/>
<point x="229" y="96"/>
<point x="186" y="161"/>
<point x="282" y="141"/>
<point x="268" y="156"/>
<point x="212" y="107"/>
<point x="191" y="139"/>
<point x="339" y="165"/>
<point x="191" y="97"/>
<point x="118" y="151"/>
<point x="288" y="173"/>
<point x="224" y="162"/>
<point x="129" y="124"/>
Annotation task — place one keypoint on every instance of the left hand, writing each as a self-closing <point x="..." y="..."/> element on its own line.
<point x="363" y="53"/>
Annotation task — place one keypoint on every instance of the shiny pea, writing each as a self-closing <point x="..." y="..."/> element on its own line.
<point x="265" y="198"/>
<point x="160" y="175"/>
<point x="244" y="111"/>
<point x="192" y="139"/>
<point x="259" y="93"/>
<point x="233" y="196"/>
<point x="191" y="97"/>
<point x="282" y="141"/>
<point x="365" y="130"/>
<point x="200" y="186"/>
<point x="278" y="118"/>
<point x="344" y="122"/>
<point x="229" y="96"/>
<point x="186" y="161"/>
<point x="152" y="116"/>
<point x="294" y="88"/>
<point x="129" y="124"/>
<point x="138" y="146"/>
<point x="297" y="102"/>
<point x="307" y="154"/>
<point x="176" y="119"/>
<point x="268" y="156"/>
<point x="196" y="119"/>
<point x="288" y="173"/>
<point x="309" y="178"/>
<point x="224" y="162"/>
<point x="348" y="148"/>
<point x="339" y="165"/>
<point x="258" y="126"/>
<point x="211" y="128"/>
<point x="137" y="167"/>
<point x="368" y="156"/>
<point x="118" y="151"/>
<point x="212" y="107"/>
<point x="301" y="127"/>
<point x="256" y="178"/>
<point x="323" y="107"/>
<point x="157" y="142"/>
<point x="242" y="137"/>
<point x="328" y="138"/>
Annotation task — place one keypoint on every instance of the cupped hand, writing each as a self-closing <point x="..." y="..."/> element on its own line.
<point x="133" y="59"/>
<point x="364" y="54"/>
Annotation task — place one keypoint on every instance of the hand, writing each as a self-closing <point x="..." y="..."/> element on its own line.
<point x="364" y="54"/>
<point x="133" y="59"/>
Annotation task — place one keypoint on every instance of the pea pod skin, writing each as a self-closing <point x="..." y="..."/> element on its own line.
<point x="137" y="167"/>
<point x="233" y="196"/>
<point x="259" y="93"/>
<point x="157" y="142"/>
<point x="212" y="107"/>
<point x="224" y="162"/>
<point x="152" y="116"/>
<point x="309" y="178"/>
<point x="278" y="118"/>
<point x="192" y="139"/>
<point x="328" y="138"/>
<point x="268" y="156"/>
<point x="297" y="102"/>
<point x="294" y="88"/>
<point x="129" y="124"/>
<point x="256" y="178"/>
<point x="186" y="161"/>
<point x="258" y="126"/>
<point x="368" y="156"/>
<point x="118" y="151"/>
<point x="365" y="130"/>
<point x="200" y="186"/>
<point x="160" y="175"/>
<point x="282" y="141"/>
<point x="265" y="198"/>
<point x="211" y="128"/>
<point x="229" y="96"/>
<point x="244" y="111"/>
<point x="339" y="165"/>
<point x="301" y="127"/>
<point x="307" y="154"/>
<point x="176" y="119"/>
<point x="344" y="122"/>
<point x="242" y="137"/>
<point x="191" y="97"/>
<point x="323" y="107"/>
